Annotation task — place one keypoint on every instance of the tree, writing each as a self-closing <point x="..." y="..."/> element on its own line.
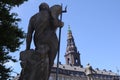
<point x="11" y="36"/>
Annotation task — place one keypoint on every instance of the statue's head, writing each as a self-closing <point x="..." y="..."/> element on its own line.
<point x="43" y="6"/>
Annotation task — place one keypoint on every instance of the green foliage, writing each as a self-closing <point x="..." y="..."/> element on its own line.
<point x="11" y="36"/>
<point x="4" y="72"/>
<point x="13" y="2"/>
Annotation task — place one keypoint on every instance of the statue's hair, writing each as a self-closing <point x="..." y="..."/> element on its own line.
<point x="43" y="6"/>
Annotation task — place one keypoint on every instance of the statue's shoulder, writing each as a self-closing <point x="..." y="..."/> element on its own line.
<point x="34" y="17"/>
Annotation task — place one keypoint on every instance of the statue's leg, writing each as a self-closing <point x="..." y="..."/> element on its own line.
<point x="42" y="72"/>
<point x="40" y="69"/>
<point x="91" y="77"/>
<point x="88" y="77"/>
<point x="46" y="69"/>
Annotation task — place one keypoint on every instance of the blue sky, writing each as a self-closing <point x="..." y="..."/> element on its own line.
<point x="95" y="25"/>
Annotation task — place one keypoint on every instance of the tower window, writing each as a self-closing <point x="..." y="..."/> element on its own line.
<point x="68" y="61"/>
<point x="76" y="60"/>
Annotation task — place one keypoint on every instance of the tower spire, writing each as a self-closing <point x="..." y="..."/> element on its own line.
<point x="69" y="30"/>
<point x="72" y="56"/>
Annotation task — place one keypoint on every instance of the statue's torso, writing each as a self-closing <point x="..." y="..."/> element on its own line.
<point x="43" y="32"/>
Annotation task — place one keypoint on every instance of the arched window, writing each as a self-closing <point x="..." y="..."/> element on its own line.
<point x="76" y="60"/>
<point x="68" y="61"/>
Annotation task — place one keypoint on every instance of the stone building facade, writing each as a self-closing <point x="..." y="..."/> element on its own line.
<point x="68" y="72"/>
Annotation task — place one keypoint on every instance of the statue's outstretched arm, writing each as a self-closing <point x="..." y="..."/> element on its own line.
<point x="29" y="35"/>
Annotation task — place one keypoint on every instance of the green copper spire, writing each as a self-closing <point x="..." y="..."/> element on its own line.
<point x="69" y="30"/>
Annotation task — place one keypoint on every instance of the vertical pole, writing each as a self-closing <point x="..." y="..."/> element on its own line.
<point x="57" y="70"/>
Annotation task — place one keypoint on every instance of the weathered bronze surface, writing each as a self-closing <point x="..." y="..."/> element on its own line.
<point x="36" y="63"/>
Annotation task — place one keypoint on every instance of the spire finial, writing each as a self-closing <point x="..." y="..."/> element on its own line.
<point x="68" y="27"/>
<point x="69" y="30"/>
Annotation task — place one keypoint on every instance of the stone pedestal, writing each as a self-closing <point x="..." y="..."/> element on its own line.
<point x="35" y="65"/>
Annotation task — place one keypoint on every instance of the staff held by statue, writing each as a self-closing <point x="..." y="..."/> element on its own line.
<point x="57" y="72"/>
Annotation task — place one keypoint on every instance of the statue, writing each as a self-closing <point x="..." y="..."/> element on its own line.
<point x="89" y="72"/>
<point x="36" y="64"/>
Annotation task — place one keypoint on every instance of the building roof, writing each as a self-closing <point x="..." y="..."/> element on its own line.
<point x="82" y="69"/>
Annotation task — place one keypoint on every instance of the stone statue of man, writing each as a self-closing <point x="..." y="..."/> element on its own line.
<point x="89" y="72"/>
<point x="36" y="64"/>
